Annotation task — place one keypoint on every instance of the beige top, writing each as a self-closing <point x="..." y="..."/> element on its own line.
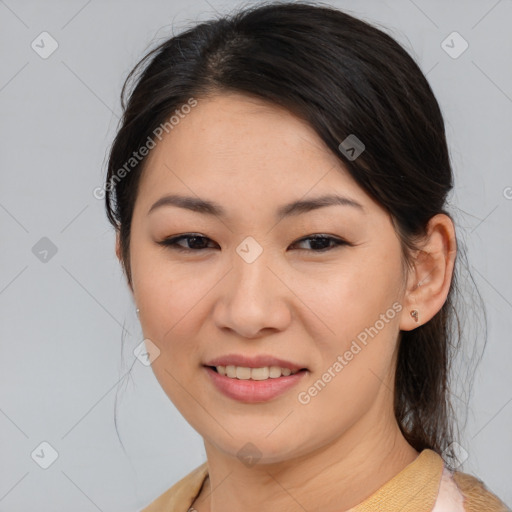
<point x="425" y="485"/>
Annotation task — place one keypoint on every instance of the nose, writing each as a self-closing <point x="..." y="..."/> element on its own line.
<point x="254" y="299"/>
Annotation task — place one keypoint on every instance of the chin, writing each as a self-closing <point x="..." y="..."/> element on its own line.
<point x="259" y="449"/>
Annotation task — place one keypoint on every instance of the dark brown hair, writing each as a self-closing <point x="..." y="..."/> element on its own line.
<point x="343" y="76"/>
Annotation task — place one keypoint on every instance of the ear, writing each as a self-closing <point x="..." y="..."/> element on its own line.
<point x="120" y="258"/>
<point x="118" y="247"/>
<point x="429" y="279"/>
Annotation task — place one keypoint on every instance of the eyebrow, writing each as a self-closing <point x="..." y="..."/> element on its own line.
<point x="207" y="207"/>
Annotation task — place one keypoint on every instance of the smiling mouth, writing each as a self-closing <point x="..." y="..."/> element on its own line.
<point x="262" y="373"/>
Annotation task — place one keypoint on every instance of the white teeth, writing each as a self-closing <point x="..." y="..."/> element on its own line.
<point x="245" y="373"/>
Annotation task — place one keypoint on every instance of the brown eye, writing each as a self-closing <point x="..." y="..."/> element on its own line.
<point x="322" y="243"/>
<point x="194" y="242"/>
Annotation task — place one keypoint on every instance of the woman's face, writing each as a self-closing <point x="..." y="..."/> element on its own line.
<point x="253" y="283"/>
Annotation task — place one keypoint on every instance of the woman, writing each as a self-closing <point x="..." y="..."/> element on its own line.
<point x="278" y="190"/>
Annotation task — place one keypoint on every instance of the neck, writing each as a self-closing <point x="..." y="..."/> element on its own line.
<point x="334" y="478"/>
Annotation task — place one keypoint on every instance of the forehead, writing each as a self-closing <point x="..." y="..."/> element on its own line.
<point x="236" y="147"/>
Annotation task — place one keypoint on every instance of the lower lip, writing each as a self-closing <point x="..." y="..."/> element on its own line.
<point x="252" y="391"/>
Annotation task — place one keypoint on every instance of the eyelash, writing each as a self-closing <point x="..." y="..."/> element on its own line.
<point x="172" y="243"/>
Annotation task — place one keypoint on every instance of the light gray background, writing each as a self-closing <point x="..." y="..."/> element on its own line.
<point x="62" y="367"/>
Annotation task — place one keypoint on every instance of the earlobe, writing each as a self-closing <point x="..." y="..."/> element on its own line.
<point x="430" y="278"/>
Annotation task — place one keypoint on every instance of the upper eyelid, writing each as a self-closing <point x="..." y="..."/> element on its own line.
<point x="177" y="238"/>
<point x="199" y="235"/>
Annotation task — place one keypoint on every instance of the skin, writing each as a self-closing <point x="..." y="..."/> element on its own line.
<point x="291" y="302"/>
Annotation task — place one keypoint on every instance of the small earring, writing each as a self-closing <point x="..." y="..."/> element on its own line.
<point x="415" y="315"/>
<point x="137" y="311"/>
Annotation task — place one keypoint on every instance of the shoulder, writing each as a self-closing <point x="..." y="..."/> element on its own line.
<point x="180" y="496"/>
<point x="477" y="497"/>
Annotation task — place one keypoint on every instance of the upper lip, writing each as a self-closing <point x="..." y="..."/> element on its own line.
<point x="259" y="361"/>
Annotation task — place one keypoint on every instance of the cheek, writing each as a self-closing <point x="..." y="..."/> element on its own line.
<point x="352" y="298"/>
<point x="170" y="303"/>
<point x="173" y="304"/>
<point x="163" y="288"/>
<point x="356" y="368"/>
<point x="361" y="307"/>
